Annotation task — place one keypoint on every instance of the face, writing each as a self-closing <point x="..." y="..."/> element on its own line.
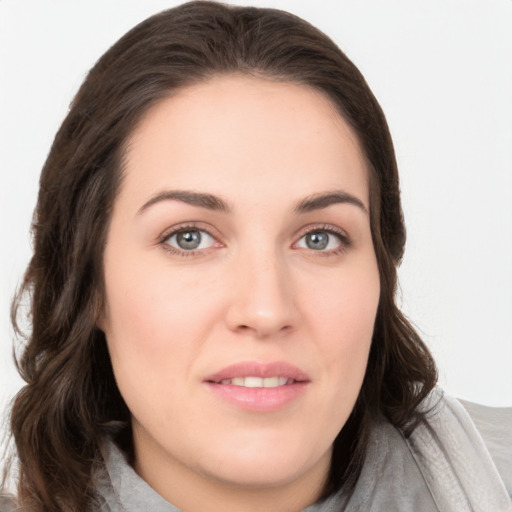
<point x="241" y="286"/>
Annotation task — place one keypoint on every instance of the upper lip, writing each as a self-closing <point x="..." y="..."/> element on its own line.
<point x="257" y="369"/>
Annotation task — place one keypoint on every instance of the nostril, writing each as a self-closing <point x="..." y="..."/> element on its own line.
<point x="262" y="331"/>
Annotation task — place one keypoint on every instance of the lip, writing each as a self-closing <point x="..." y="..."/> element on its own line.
<point x="255" y="369"/>
<point x="259" y="399"/>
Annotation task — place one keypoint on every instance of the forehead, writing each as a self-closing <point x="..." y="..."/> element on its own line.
<point x="236" y="130"/>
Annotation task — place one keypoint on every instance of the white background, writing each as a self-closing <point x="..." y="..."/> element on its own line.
<point x="442" y="70"/>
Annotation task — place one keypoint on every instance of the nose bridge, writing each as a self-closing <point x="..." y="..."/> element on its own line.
<point x="262" y="301"/>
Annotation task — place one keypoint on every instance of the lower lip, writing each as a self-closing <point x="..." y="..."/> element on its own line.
<point x="259" y="399"/>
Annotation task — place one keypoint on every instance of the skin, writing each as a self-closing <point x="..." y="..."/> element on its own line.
<point x="254" y="291"/>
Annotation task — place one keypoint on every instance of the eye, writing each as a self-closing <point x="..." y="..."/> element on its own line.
<point x="321" y="240"/>
<point x="190" y="240"/>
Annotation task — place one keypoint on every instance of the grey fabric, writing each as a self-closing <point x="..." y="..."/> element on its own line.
<point x="495" y="426"/>
<point x="120" y="489"/>
<point x="445" y="466"/>
<point x="390" y="480"/>
<point x="7" y="504"/>
<point x="455" y="462"/>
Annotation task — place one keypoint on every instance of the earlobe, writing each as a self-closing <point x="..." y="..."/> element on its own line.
<point x="101" y="317"/>
<point x="100" y="322"/>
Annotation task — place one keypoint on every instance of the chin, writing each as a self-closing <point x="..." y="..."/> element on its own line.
<point x="265" y="464"/>
<point x="258" y="474"/>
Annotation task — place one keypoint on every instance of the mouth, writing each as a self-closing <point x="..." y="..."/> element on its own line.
<point x="259" y="387"/>
<point x="252" y="374"/>
<point x="258" y="382"/>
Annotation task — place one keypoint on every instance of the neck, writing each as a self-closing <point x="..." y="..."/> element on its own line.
<point x="193" y="491"/>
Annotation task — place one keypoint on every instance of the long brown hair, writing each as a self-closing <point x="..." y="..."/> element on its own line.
<point x="70" y="401"/>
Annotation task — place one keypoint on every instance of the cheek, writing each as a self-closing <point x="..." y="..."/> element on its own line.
<point x="345" y="310"/>
<point x="155" y="324"/>
<point x="346" y="305"/>
<point x="153" y="340"/>
<point x="150" y="304"/>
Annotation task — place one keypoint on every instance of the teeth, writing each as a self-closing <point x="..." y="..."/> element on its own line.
<point x="258" y="382"/>
<point x="253" y="382"/>
<point x="271" y="382"/>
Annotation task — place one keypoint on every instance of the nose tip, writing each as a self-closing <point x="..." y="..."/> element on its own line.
<point x="262" y="302"/>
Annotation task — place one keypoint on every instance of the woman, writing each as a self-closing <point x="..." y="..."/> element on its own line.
<point x="213" y="318"/>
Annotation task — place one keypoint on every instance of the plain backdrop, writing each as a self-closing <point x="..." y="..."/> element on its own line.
<point x="442" y="71"/>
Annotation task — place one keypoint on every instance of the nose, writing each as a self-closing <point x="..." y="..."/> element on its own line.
<point x="261" y="301"/>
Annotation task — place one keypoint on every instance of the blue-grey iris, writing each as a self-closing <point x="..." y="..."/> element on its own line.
<point x="188" y="240"/>
<point x="317" y="240"/>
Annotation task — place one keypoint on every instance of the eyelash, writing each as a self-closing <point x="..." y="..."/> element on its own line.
<point x="343" y="238"/>
<point x="183" y="229"/>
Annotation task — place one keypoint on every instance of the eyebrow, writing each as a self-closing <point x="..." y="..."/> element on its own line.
<point x="215" y="203"/>
<point x="203" y="200"/>
<point x="325" y="199"/>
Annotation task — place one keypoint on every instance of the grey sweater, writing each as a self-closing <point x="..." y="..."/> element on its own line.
<point x="453" y="463"/>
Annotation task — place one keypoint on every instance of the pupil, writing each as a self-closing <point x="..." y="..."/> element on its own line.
<point x="317" y="240"/>
<point x="189" y="239"/>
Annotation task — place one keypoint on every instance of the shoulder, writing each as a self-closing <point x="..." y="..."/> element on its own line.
<point x="494" y="424"/>
<point x="454" y="459"/>
<point x="7" y="503"/>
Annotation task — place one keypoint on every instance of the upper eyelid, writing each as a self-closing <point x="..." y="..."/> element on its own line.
<point x="329" y="228"/>
<point x="191" y="225"/>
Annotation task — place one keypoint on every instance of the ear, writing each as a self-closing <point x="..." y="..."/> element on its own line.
<point x="100" y="322"/>
<point x="101" y="314"/>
